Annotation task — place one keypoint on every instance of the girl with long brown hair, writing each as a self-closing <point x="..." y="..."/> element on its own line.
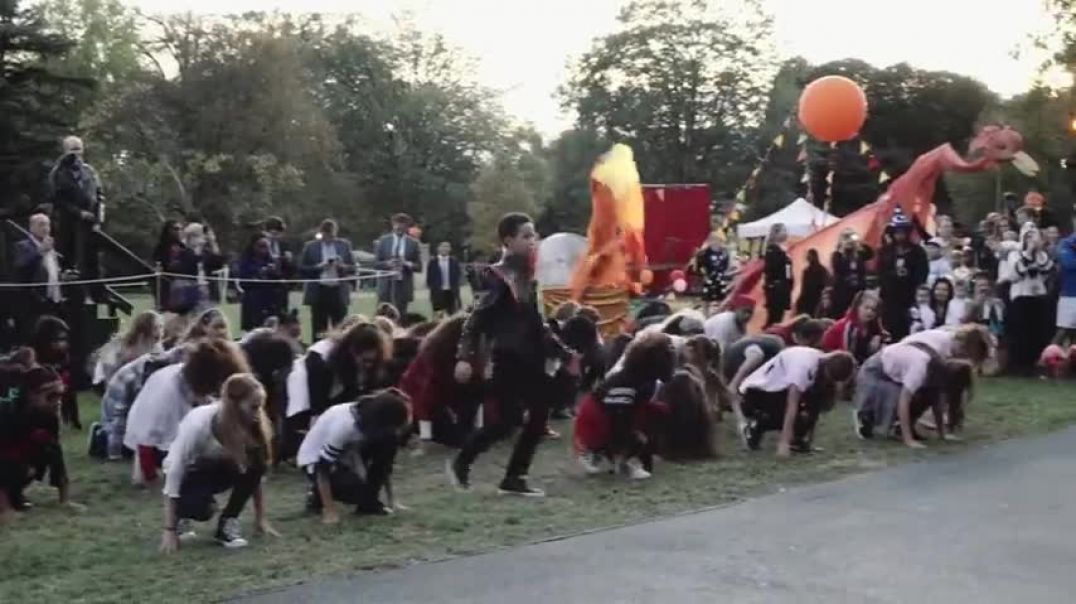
<point x="222" y="446"/>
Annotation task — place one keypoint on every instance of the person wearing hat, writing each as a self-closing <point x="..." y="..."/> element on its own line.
<point x="398" y="252"/>
<point x="902" y="268"/>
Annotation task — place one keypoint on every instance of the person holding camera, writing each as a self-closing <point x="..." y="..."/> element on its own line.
<point x="328" y="260"/>
<point x="78" y="208"/>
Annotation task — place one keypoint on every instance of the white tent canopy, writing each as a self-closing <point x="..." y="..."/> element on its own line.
<point x="800" y="217"/>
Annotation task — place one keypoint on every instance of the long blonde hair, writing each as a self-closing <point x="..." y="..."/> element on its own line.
<point x="140" y="337"/>
<point x="237" y="436"/>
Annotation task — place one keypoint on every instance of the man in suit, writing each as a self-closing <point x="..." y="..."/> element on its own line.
<point x="443" y="279"/>
<point x="37" y="261"/>
<point x="327" y="259"/>
<point x="398" y="251"/>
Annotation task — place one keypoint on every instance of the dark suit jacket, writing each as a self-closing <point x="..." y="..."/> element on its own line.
<point x="411" y="253"/>
<point x="434" y="276"/>
<point x="29" y="265"/>
<point x="308" y="268"/>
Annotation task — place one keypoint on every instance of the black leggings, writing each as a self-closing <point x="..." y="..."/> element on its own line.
<point x="348" y="486"/>
<point x="201" y="484"/>
<point x="767" y="409"/>
<point x="517" y="387"/>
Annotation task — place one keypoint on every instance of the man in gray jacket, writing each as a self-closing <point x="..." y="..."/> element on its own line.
<point x="327" y="259"/>
<point x="398" y="251"/>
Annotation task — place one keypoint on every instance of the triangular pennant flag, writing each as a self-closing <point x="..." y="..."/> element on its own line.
<point x="741" y="196"/>
<point x="883" y="177"/>
<point x="779" y="141"/>
<point x="756" y="172"/>
<point x="829" y="178"/>
<point x="802" y="157"/>
<point x="802" y="139"/>
<point x="863" y="147"/>
<point x="806" y="177"/>
<point x="832" y="144"/>
<point x="788" y="121"/>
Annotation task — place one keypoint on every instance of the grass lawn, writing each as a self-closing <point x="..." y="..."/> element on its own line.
<point x="109" y="552"/>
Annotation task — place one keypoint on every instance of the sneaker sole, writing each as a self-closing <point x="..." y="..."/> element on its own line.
<point x="534" y="495"/>
<point x="235" y="544"/>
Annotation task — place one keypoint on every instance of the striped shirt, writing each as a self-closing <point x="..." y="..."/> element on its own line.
<point x="332" y="435"/>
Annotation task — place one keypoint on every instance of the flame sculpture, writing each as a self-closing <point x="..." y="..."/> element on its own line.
<point x="616" y="255"/>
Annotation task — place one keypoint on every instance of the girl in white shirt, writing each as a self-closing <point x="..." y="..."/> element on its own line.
<point x="349" y="452"/>
<point x="170" y="393"/>
<point x="895" y="386"/>
<point x="219" y="447"/>
<point x="788" y="392"/>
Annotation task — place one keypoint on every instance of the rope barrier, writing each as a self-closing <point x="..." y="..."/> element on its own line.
<point x="146" y="277"/>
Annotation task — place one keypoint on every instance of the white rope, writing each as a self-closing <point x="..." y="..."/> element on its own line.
<point x="145" y="277"/>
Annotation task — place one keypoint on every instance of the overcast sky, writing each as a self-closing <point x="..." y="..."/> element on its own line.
<point x="524" y="45"/>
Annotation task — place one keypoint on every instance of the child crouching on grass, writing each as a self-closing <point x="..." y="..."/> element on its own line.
<point x="349" y="453"/>
<point x="222" y="446"/>
<point x="30" y="398"/>
<point x="789" y="392"/>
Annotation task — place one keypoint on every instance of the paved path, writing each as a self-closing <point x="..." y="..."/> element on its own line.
<point x="995" y="525"/>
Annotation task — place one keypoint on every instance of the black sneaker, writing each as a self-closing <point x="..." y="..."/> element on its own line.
<point x="372" y="508"/>
<point x="97" y="442"/>
<point x="228" y="534"/>
<point x="313" y="502"/>
<point x="458" y="474"/>
<point x="752" y="436"/>
<point x="864" y="430"/>
<point x="517" y="485"/>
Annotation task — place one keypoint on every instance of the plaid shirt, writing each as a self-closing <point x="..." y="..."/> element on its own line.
<point x="123" y="387"/>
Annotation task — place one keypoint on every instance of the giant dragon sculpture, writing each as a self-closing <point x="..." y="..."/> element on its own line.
<point x="913" y="191"/>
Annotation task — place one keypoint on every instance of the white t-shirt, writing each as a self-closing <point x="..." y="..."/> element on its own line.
<point x="940" y="340"/>
<point x="922" y="317"/>
<point x="723" y="329"/>
<point x="194" y="441"/>
<point x="331" y="436"/>
<point x="906" y="365"/>
<point x="157" y="410"/>
<point x="794" y="366"/>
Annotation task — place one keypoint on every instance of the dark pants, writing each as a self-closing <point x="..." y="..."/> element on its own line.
<point x="767" y="410"/>
<point x="394" y="293"/>
<point x="328" y="308"/>
<point x="349" y="487"/>
<point x="201" y="484"/>
<point x="517" y="387"/>
<point x="1028" y="330"/>
<point x="445" y="300"/>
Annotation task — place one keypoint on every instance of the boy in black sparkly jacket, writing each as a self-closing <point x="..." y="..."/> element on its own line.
<point x="506" y="322"/>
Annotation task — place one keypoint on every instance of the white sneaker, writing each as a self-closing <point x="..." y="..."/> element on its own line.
<point x="228" y="534"/>
<point x="633" y="469"/>
<point x="592" y="463"/>
<point x="185" y="529"/>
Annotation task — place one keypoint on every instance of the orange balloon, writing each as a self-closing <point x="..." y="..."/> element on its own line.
<point x="646" y="276"/>
<point x="833" y="108"/>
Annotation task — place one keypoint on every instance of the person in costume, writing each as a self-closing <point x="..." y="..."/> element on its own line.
<point x="520" y="341"/>
<point x="902" y="268"/>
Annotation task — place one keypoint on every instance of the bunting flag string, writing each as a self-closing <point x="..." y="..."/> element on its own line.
<point x="778" y="142"/>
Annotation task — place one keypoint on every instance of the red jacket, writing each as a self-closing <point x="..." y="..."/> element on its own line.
<point x="849" y="335"/>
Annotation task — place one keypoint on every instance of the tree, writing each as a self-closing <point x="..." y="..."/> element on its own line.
<point x="35" y="103"/>
<point x="107" y="47"/>
<point x="570" y="158"/>
<point x="500" y="188"/>
<point x="684" y="83"/>
<point x="234" y="136"/>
